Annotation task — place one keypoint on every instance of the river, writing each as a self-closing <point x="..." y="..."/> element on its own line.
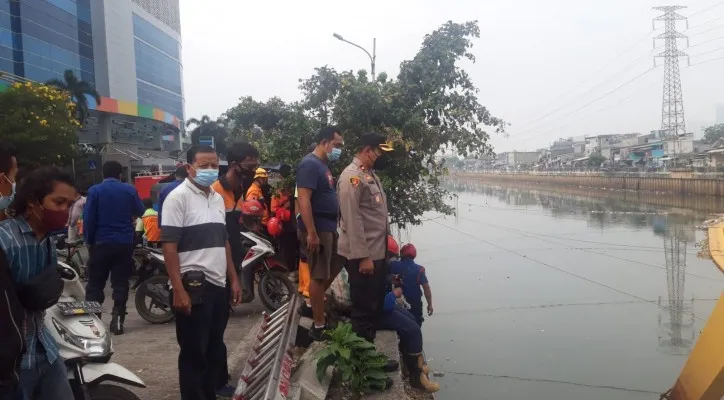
<point x="553" y="294"/>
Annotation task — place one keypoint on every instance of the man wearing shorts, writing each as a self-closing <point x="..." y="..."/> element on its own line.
<point x="317" y="229"/>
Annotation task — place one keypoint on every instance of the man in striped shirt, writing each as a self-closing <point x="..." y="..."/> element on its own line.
<point x="199" y="263"/>
<point x="41" y="205"/>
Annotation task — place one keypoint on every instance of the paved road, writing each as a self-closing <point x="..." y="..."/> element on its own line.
<point x="151" y="351"/>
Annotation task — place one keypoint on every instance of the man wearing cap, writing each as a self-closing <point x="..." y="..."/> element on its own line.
<point x="363" y="231"/>
<point x="256" y="192"/>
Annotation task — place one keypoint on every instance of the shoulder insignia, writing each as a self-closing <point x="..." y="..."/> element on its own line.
<point x="369" y="178"/>
<point x="354" y="181"/>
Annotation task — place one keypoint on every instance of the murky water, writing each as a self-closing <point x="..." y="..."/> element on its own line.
<point x="549" y="294"/>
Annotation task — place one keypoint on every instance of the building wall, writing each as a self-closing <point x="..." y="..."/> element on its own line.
<point x="143" y="52"/>
<point x="40" y="39"/>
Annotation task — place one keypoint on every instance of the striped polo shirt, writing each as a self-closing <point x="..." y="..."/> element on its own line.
<point x="196" y="221"/>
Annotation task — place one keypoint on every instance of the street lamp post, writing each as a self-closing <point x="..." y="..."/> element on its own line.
<point x="373" y="56"/>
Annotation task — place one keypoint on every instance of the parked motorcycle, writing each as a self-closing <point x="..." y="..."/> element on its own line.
<point x="153" y="301"/>
<point x="85" y="344"/>
<point x="69" y="253"/>
<point x="153" y="291"/>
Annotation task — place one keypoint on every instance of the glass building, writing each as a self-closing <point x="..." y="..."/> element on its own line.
<point x="130" y="50"/>
<point x="40" y="39"/>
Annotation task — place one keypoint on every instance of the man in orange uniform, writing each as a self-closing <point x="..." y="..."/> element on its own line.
<point x="256" y="191"/>
<point x="147" y="225"/>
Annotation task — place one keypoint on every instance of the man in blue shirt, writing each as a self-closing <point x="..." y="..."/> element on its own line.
<point x="180" y="174"/>
<point x="413" y="277"/>
<point x="41" y="205"/>
<point x="110" y="210"/>
<point x="317" y="229"/>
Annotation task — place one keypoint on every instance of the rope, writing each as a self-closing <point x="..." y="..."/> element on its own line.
<point x="666" y="395"/>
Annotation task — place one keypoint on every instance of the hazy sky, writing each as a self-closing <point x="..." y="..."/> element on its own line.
<point x="544" y="66"/>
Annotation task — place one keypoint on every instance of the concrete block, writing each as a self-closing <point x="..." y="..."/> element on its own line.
<point x="305" y="377"/>
<point x="386" y="343"/>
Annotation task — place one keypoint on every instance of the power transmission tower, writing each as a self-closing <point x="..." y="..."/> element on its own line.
<point x="672" y="114"/>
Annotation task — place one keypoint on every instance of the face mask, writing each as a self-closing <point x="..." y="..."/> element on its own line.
<point x="205" y="177"/>
<point x="381" y="162"/>
<point x="6" y="200"/>
<point x="53" y="220"/>
<point x="334" y="154"/>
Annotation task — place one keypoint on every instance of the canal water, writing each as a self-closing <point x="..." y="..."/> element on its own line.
<point x="551" y="294"/>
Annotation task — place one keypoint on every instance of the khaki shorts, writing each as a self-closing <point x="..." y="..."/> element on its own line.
<point x="326" y="261"/>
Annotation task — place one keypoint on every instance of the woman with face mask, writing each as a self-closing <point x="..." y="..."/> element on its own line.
<point x="40" y="206"/>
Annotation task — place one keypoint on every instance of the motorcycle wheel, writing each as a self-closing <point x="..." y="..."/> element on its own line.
<point x="270" y="289"/>
<point x="111" y="392"/>
<point x="144" y="310"/>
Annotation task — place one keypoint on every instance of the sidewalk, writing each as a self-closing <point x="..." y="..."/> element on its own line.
<point x="151" y="352"/>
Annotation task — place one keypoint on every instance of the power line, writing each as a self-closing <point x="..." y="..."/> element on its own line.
<point x="561" y="270"/>
<point x="707" y="61"/>
<point x="706" y="41"/>
<point x="527" y="134"/>
<point x="721" y="3"/>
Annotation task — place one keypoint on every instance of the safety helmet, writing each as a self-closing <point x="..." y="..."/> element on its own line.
<point x="261" y="173"/>
<point x="392" y="246"/>
<point x="408" y="250"/>
<point x="283" y="214"/>
<point x="274" y="226"/>
<point x="252" y="208"/>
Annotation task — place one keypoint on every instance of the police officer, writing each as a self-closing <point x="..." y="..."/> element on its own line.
<point x="363" y="232"/>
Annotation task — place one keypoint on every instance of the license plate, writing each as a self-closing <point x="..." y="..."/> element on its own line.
<point x="68" y="308"/>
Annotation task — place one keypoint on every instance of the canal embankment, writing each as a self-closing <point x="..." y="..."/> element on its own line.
<point x="675" y="183"/>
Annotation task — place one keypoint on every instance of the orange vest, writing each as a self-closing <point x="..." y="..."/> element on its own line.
<point x="151" y="229"/>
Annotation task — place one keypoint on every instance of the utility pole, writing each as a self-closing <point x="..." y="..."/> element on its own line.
<point x="672" y="114"/>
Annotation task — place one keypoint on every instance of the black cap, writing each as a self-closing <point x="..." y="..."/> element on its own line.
<point x="374" y="139"/>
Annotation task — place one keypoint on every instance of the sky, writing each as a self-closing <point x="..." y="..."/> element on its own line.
<point x="554" y="68"/>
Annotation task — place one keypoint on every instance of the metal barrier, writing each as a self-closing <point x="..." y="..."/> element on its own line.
<point x="267" y="370"/>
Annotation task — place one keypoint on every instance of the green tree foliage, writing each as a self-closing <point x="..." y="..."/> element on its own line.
<point x="595" y="160"/>
<point x="713" y="133"/>
<point x="40" y="121"/>
<point x="206" y="127"/>
<point x="78" y="89"/>
<point x="431" y="106"/>
<point x="359" y="365"/>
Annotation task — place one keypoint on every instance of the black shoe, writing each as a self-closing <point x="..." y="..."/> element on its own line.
<point x="118" y="317"/>
<point x="306" y="310"/>
<point x="391" y="366"/>
<point x="317" y="334"/>
<point x="388" y="383"/>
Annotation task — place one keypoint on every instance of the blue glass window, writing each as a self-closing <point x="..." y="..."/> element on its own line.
<point x="33" y="16"/>
<point x="152" y="96"/>
<point x="6" y="38"/>
<point x="145" y="31"/>
<point x="157" y="68"/>
<point x="5" y="6"/>
<point x="68" y="6"/>
<point x="6" y="52"/>
<point x="7" y="65"/>
<point x="50" y="10"/>
<point x="38" y="48"/>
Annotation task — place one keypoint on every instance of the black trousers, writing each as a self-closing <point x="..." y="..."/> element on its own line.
<point x="111" y="259"/>
<point x="289" y="245"/>
<point x="367" y="293"/>
<point x="200" y="336"/>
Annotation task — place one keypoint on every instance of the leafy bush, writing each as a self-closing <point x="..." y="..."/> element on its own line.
<point x="359" y="365"/>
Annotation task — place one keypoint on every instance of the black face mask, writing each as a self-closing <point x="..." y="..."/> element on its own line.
<point x="381" y="162"/>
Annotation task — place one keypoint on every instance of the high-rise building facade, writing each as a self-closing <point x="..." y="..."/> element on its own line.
<point x="129" y="49"/>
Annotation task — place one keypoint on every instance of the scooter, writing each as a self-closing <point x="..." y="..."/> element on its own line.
<point x="85" y="345"/>
<point x="273" y="284"/>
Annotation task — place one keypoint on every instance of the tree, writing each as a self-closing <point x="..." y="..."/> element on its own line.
<point x="205" y="126"/>
<point x="713" y="133"/>
<point x="432" y="105"/>
<point x="40" y="121"/>
<point x="595" y="160"/>
<point x="78" y="89"/>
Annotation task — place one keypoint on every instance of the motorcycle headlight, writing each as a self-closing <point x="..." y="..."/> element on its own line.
<point x="92" y="347"/>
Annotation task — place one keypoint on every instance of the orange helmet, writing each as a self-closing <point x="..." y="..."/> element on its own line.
<point x="252" y="208"/>
<point x="392" y="246"/>
<point x="408" y="250"/>
<point x="284" y="214"/>
<point x="274" y="226"/>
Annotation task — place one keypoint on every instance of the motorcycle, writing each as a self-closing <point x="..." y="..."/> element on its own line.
<point x="152" y="288"/>
<point x="85" y="345"/>
<point x="273" y="284"/>
<point x="69" y="253"/>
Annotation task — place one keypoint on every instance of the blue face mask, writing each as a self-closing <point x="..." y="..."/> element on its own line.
<point x="205" y="177"/>
<point x="6" y="200"/>
<point x="335" y="154"/>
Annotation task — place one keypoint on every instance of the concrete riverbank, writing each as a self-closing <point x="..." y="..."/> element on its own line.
<point x="676" y="185"/>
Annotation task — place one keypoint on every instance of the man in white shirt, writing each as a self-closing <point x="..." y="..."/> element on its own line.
<point x="198" y="259"/>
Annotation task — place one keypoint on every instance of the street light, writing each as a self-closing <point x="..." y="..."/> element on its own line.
<point x="372" y="56"/>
